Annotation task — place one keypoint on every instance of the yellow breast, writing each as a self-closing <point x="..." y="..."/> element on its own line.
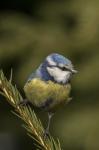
<point x="39" y="92"/>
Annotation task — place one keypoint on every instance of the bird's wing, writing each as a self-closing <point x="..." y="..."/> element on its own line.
<point x="33" y="75"/>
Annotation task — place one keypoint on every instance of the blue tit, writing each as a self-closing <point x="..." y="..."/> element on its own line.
<point x="49" y="86"/>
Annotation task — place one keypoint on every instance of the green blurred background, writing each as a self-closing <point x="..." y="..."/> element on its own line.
<point x="32" y="29"/>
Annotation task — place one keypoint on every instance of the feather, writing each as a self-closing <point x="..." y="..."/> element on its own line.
<point x="39" y="92"/>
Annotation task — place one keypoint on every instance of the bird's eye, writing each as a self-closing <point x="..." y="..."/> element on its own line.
<point x="63" y="68"/>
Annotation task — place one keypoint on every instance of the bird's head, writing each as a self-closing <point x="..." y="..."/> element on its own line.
<point x="57" y="68"/>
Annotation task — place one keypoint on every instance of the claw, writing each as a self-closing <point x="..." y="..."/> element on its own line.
<point x="23" y="103"/>
<point x="68" y="100"/>
<point x="46" y="134"/>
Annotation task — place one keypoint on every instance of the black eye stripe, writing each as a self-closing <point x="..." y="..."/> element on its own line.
<point x="62" y="68"/>
<point x="52" y="66"/>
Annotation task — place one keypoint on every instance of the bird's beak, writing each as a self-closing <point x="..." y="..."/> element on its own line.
<point x="71" y="69"/>
<point x="74" y="71"/>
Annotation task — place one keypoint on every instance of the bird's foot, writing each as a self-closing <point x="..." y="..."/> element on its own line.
<point x="68" y="100"/>
<point x="23" y="103"/>
<point x="46" y="134"/>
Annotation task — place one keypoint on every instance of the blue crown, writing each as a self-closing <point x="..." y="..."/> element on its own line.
<point x="57" y="58"/>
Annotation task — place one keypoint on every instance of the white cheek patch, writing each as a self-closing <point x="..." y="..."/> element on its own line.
<point x="58" y="74"/>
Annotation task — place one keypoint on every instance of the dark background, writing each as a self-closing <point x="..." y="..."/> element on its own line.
<point x="29" y="31"/>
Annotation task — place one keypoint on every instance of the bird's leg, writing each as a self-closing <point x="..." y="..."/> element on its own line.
<point x="50" y="114"/>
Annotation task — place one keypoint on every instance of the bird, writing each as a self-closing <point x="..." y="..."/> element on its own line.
<point x="49" y="86"/>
